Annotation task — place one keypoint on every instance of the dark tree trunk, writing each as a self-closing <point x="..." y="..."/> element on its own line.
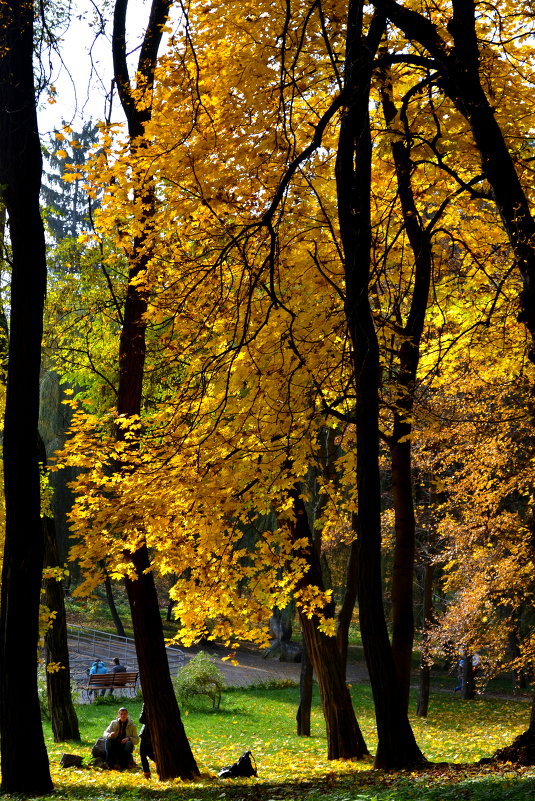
<point x="419" y="236"/>
<point x="58" y="682"/>
<point x="396" y="744"/>
<point x="171" y="747"/>
<point x="347" y="607"/>
<point x="111" y="603"/>
<point x="425" y="669"/>
<point x="305" y="693"/>
<point x="169" y="613"/>
<point x="522" y="749"/>
<point x="460" y="79"/>
<point x="344" y="738"/>
<point x="468" y="690"/>
<point x="404" y="548"/>
<point x="20" y="178"/>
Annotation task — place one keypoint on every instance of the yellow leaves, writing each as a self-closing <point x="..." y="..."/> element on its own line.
<point x="57" y="573"/>
<point x="70" y="177"/>
<point x="54" y="667"/>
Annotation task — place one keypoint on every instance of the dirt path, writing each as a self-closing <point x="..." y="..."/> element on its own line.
<point x="253" y="668"/>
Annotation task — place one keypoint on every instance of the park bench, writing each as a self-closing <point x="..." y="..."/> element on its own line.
<point x="127" y="680"/>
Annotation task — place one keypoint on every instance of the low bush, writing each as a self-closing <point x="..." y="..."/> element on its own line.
<point x="200" y="676"/>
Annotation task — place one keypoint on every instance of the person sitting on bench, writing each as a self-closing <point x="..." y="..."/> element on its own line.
<point x="117" y="668"/>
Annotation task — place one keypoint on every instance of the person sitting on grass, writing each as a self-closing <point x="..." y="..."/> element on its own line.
<point x="120" y="738"/>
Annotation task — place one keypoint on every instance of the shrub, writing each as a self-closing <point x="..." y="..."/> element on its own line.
<point x="200" y="676"/>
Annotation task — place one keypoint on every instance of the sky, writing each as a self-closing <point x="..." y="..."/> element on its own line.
<point x="82" y="77"/>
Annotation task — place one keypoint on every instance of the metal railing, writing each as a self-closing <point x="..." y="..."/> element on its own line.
<point x="93" y="643"/>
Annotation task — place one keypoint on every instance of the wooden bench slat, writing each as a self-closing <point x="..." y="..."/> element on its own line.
<point x="110" y="680"/>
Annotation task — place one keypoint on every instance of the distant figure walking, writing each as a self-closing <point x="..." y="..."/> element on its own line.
<point x="146" y="750"/>
<point x="98" y="666"/>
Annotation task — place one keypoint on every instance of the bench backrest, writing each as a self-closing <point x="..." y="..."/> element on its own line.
<point x="113" y="679"/>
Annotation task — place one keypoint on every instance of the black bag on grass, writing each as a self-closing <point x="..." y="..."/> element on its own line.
<point x="243" y="767"/>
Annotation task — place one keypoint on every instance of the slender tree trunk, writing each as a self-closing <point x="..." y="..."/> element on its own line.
<point x="404" y="549"/>
<point x="20" y="179"/>
<point x="171" y="746"/>
<point x="305" y="694"/>
<point x="425" y="669"/>
<point x="113" y="608"/>
<point x="419" y="236"/>
<point x="347" y="607"/>
<point x="58" y="682"/>
<point x="396" y="744"/>
<point x="344" y="738"/>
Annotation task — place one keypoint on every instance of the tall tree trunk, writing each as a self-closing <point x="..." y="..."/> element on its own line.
<point x="425" y="669"/>
<point x="396" y="744"/>
<point x="20" y="178"/>
<point x="58" y="682"/>
<point x="305" y="694"/>
<point x="171" y="747"/>
<point x="344" y="738"/>
<point x="419" y="236"/>
<point x="459" y="77"/>
<point x="174" y="757"/>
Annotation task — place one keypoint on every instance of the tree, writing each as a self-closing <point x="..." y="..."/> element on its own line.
<point x="171" y="747"/>
<point x="69" y="208"/>
<point x="20" y="177"/>
<point x="460" y="76"/>
<point x="396" y="746"/>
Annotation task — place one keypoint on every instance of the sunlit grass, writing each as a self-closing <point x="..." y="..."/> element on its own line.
<point x="289" y="767"/>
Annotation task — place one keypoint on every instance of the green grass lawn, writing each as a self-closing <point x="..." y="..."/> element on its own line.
<point x="290" y="767"/>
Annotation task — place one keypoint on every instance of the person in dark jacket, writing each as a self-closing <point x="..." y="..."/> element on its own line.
<point x="116" y="668"/>
<point x="146" y="750"/>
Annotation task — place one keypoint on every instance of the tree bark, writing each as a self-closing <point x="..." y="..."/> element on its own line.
<point x="468" y="690"/>
<point x="20" y="179"/>
<point x="396" y="744"/>
<point x="305" y="693"/>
